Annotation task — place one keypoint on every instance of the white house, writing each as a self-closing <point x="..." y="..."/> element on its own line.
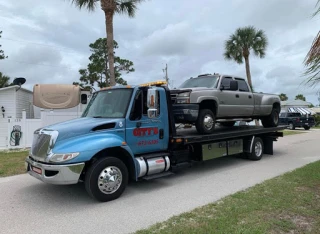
<point x="13" y="100"/>
<point x="297" y="106"/>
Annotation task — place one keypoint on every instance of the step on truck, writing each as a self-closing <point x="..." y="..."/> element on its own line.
<point x="128" y="133"/>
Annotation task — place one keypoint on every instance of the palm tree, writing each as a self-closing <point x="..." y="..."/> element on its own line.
<point x="300" y="97"/>
<point x="110" y="8"/>
<point x="4" y="80"/>
<point x="242" y="42"/>
<point x="283" y="97"/>
<point x="312" y="60"/>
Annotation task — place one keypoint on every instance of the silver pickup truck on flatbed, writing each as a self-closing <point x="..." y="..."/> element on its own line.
<point x="210" y="99"/>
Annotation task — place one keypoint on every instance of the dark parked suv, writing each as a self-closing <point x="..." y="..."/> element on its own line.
<point x="296" y="120"/>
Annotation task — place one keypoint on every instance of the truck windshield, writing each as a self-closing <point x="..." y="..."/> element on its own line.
<point x="207" y="82"/>
<point x="112" y="103"/>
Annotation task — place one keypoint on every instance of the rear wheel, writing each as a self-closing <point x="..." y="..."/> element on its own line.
<point x="256" y="150"/>
<point x="106" y="179"/>
<point x="306" y="127"/>
<point x="271" y="120"/>
<point x="228" y="124"/>
<point x="206" y="121"/>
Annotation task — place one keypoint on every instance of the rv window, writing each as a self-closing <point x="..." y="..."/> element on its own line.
<point x="84" y="98"/>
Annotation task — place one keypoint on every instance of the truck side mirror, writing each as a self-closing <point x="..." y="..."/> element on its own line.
<point x="152" y="103"/>
<point x="233" y="85"/>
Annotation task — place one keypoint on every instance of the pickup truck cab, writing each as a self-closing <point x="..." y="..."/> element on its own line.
<point x="296" y="120"/>
<point x="210" y="99"/>
<point x="128" y="133"/>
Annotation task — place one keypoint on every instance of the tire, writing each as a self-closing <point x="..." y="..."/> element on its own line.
<point x="205" y="116"/>
<point x="228" y="124"/>
<point x="102" y="168"/>
<point x="306" y="127"/>
<point x="271" y="120"/>
<point x="291" y="126"/>
<point x="257" y="149"/>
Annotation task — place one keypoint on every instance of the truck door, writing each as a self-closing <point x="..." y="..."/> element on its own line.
<point x="229" y="101"/>
<point x="145" y="135"/>
<point x="246" y="100"/>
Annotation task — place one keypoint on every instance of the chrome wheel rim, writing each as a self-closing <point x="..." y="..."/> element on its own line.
<point x="110" y="180"/>
<point x="258" y="149"/>
<point x="208" y="122"/>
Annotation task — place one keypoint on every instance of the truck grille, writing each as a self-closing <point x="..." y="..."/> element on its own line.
<point x="40" y="146"/>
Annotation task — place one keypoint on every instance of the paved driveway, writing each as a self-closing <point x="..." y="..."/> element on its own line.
<point x="30" y="206"/>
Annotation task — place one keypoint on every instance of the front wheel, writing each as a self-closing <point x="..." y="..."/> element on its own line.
<point x="206" y="121"/>
<point x="291" y="126"/>
<point x="106" y="179"/>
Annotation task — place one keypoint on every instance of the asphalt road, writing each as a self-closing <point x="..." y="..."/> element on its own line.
<point x="30" y="206"/>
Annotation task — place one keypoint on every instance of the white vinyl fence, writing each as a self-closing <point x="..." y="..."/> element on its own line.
<point x="18" y="133"/>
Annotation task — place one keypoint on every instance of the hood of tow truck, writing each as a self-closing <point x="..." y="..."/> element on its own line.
<point x="85" y="125"/>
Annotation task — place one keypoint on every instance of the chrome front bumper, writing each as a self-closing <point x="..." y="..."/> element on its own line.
<point x="54" y="174"/>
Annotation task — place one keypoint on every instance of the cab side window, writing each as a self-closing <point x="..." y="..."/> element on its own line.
<point x="225" y="82"/>
<point x="136" y="111"/>
<point x="140" y="105"/>
<point x="243" y="87"/>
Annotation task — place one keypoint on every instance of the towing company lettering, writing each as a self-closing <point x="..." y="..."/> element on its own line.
<point x="139" y="132"/>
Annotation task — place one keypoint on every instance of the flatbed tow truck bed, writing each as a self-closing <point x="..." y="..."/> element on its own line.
<point x="190" y="135"/>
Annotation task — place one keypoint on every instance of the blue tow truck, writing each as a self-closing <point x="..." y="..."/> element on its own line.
<point x="128" y="133"/>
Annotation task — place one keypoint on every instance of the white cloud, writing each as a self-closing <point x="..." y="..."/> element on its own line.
<point x="188" y="35"/>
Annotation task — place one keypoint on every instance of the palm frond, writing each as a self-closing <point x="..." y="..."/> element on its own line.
<point x="314" y="52"/>
<point x="318" y="9"/>
<point x="127" y="7"/>
<point x="89" y="4"/>
<point x="312" y="62"/>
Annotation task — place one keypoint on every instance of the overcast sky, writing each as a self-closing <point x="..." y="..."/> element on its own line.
<point x="47" y="41"/>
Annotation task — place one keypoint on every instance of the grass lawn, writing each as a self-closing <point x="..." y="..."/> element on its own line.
<point x="12" y="163"/>
<point x="285" y="204"/>
<point x="291" y="132"/>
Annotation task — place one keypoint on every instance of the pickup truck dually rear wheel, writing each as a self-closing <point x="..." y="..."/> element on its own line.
<point x="271" y="120"/>
<point x="206" y="121"/>
<point x="106" y="179"/>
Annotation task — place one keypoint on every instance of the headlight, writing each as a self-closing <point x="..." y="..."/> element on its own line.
<point x="186" y="94"/>
<point x="63" y="157"/>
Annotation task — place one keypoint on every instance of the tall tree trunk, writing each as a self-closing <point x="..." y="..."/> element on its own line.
<point x="109" y="29"/>
<point x="106" y="72"/>
<point x="246" y="58"/>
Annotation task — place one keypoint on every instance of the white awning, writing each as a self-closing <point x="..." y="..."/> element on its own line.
<point x="301" y="110"/>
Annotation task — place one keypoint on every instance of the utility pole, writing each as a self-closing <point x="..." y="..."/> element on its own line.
<point x="166" y="71"/>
